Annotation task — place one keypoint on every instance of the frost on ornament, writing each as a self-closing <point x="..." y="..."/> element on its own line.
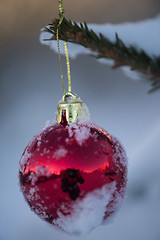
<point x="87" y="213"/>
<point x="74" y="175"/>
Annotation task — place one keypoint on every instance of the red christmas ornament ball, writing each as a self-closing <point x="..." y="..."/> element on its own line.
<point x="74" y="175"/>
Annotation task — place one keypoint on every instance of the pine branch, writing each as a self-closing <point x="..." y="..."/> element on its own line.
<point x="121" y="54"/>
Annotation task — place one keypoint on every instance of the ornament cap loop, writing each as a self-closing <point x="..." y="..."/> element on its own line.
<point x="71" y="105"/>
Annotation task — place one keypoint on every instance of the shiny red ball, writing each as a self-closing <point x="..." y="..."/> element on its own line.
<point x="73" y="175"/>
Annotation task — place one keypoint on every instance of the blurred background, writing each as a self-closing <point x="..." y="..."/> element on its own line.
<point x="30" y="87"/>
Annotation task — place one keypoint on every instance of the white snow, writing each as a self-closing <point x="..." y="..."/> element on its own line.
<point x="38" y="142"/>
<point x="134" y="75"/>
<point x="60" y="152"/>
<point x="143" y="35"/>
<point x="24" y="159"/>
<point x="84" y="113"/>
<point x="33" y="193"/>
<point x="81" y="132"/>
<point x="41" y="171"/>
<point x="41" y="210"/>
<point x="33" y="178"/>
<point x="118" y="200"/>
<point x="120" y="152"/>
<point x="45" y="151"/>
<point x="87" y="213"/>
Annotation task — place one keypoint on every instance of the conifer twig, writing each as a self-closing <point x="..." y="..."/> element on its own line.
<point x="121" y="54"/>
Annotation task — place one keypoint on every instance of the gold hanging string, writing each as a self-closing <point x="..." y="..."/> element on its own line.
<point x="61" y="12"/>
<point x="60" y="63"/>
<point x="68" y="66"/>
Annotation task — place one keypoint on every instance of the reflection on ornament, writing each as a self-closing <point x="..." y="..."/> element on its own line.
<point x="73" y="175"/>
<point x="70" y="180"/>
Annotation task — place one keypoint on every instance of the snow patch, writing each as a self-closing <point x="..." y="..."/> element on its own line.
<point x="40" y="172"/>
<point x="24" y="159"/>
<point x="132" y="74"/>
<point x="33" y="178"/>
<point x="80" y="132"/>
<point x="87" y="213"/>
<point x="41" y="211"/>
<point x="118" y="200"/>
<point x="60" y="153"/>
<point x="32" y="195"/>
<point x="137" y="34"/>
<point x="74" y="49"/>
<point x="38" y="142"/>
<point x="45" y="151"/>
<point x="84" y="113"/>
<point x="43" y="171"/>
<point x="120" y="153"/>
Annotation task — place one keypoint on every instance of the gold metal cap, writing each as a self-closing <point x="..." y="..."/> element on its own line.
<point x="71" y="106"/>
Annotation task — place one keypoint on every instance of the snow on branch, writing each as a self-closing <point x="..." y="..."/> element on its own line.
<point x="102" y="47"/>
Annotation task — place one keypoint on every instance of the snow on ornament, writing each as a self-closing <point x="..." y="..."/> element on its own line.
<point x="73" y="174"/>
